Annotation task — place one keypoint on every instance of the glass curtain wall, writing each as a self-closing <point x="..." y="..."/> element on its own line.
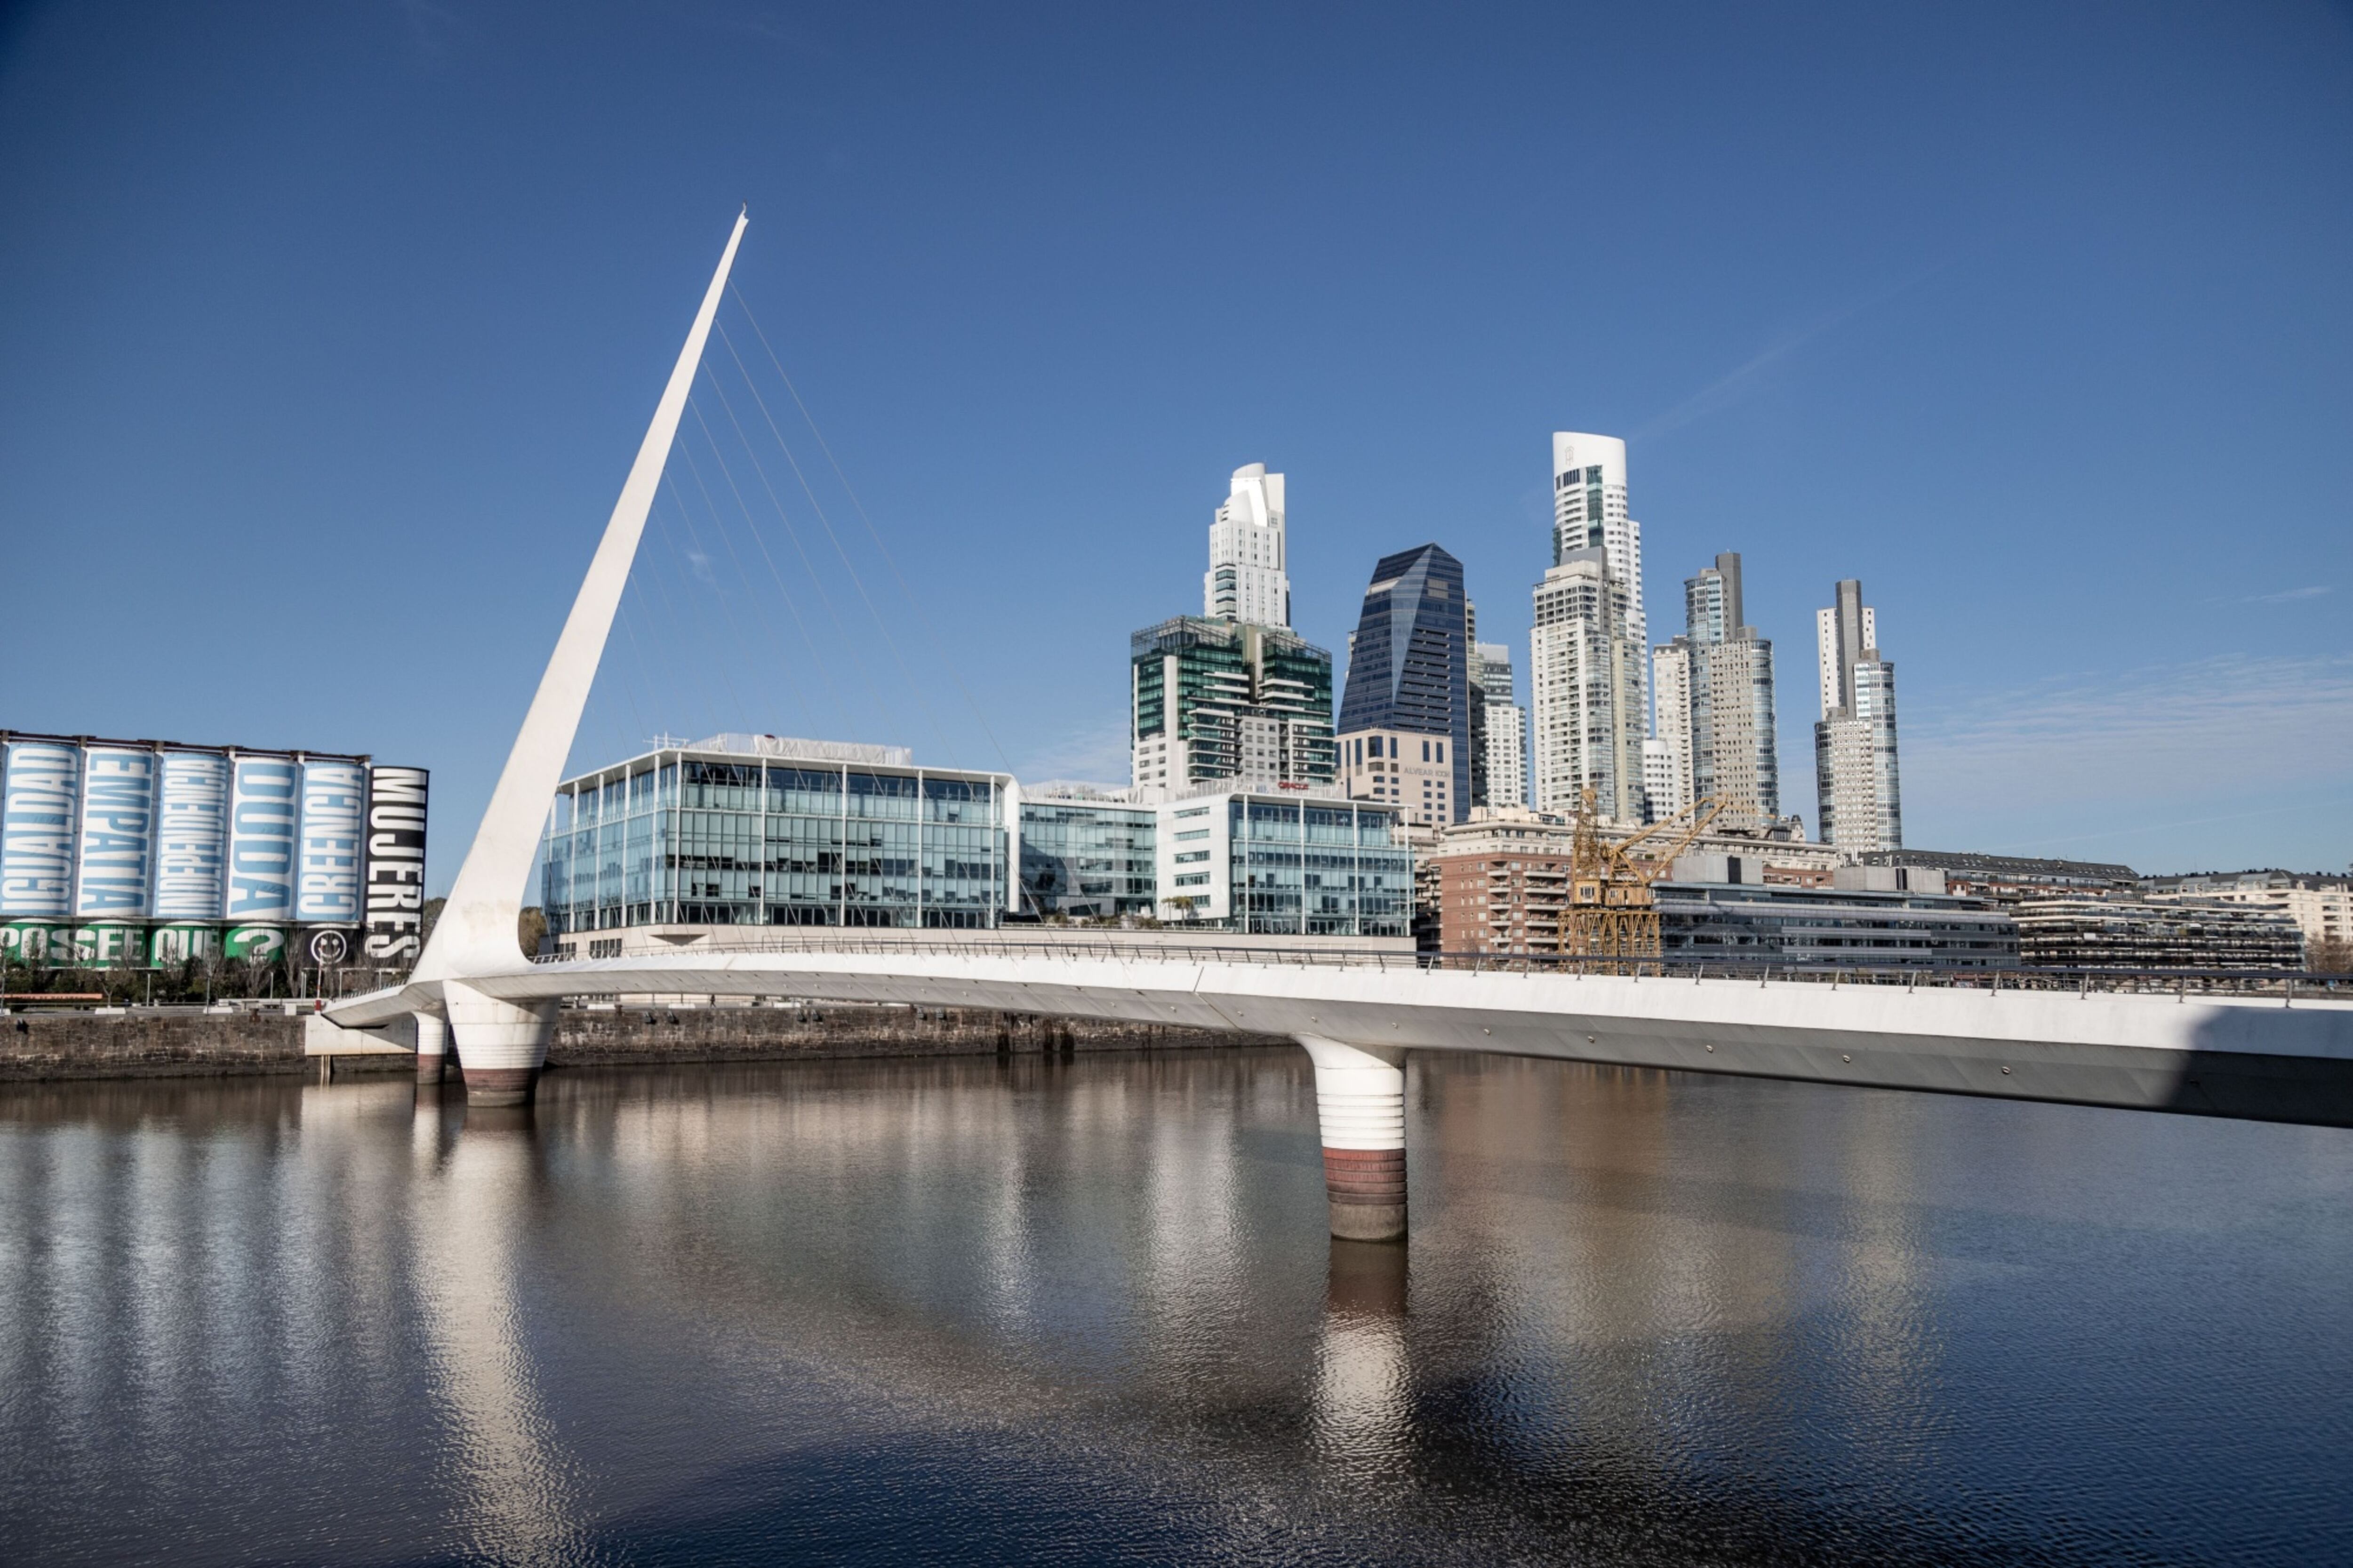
<point x="699" y="842"/>
<point x="1087" y="861"/>
<point x="603" y="860"/>
<point x="1318" y="870"/>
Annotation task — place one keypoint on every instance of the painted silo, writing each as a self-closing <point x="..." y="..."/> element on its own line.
<point x="40" y="797"/>
<point x="192" y="838"/>
<point x="327" y="866"/>
<point x="264" y="803"/>
<point x="396" y="865"/>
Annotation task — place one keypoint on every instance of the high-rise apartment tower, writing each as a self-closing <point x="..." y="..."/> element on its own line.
<point x="1246" y="580"/>
<point x="1500" y="755"/>
<point x="1588" y="677"/>
<point x="1855" y="773"/>
<point x="1216" y="702"/>
<point x="1585" y="688"/>
<point x="1590" y="512"/>
<point x="1233" y="696"/>
<point x="1715" y="709"/>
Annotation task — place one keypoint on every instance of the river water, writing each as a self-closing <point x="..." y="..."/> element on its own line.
<point x="966" y="1311"/>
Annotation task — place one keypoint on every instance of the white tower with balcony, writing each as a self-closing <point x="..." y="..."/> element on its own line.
<point x="1246" y="581"/>
<point x="1589" y="513"/>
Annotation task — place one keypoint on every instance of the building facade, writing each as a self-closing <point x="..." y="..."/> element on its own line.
<point x="1407" y="703"/>
<point x="2321" y="907"/>
<point x="1858" y="790"/>
<point x="1586" y="693"/>
<point x="1499" y="883"/>
<point x="1247" y="580"/>
<point x="1283" y="863"/>
<point x="1845" y="926"/>
<point x="1413" y="773"/>
<point x="2007" y="878"/>
<point x="1715" y="705"/>
<point x="2137" y="934"/>
<point x="1217" y="700"/>
<point x="1086" y="857"/>
<point x="755" y="830"/>
<point x="151" y="852"/>
<point x="1500" y="748"/>
<point x="1590" y="513"/>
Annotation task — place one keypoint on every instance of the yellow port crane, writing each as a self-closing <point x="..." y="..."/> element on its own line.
<point x="1610" y="916"/>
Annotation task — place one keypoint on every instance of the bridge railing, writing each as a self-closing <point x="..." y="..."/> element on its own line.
<point x="2288" y="985"/>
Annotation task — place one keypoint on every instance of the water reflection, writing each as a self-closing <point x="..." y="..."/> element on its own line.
<point x="995" y="1310"/>
<point x="469" y="1227"/>
<point x="1363" y="1395"/>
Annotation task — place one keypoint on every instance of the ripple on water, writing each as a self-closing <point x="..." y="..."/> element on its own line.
<point x="971" y="1311"/>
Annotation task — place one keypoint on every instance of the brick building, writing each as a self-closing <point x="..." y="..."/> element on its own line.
<point x="1499" y="883"/>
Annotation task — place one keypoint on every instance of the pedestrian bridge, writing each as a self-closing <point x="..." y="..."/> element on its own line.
<point x="2251" y="1055"/>
<point x="2270" y="1053"/>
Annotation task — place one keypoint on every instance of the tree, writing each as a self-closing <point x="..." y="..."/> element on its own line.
<point x="531" y="925"/>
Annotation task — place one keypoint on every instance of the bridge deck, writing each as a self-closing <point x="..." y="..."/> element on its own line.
<point x="2272" y="1057"/>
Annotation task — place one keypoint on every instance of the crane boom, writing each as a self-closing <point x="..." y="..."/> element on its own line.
<point x="1611" y="915"/>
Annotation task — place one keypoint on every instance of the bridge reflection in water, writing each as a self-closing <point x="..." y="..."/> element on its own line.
<point x="1031" y="1308"/>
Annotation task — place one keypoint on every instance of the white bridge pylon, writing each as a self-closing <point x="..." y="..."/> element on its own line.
<point x="502" y="1044"/>
<point x="2247" y="1056"/>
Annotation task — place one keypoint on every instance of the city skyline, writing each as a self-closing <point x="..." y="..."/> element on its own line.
<point x="570" y="793"/>
<point x="288" y="369"/>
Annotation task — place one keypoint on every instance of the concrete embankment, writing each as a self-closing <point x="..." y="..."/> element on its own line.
<point x="38" y="1045"/>
<point x="586" y="1037"/>
<point x="142" y="1044"/>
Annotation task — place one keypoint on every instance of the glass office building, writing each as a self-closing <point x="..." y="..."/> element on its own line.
<point x="1220" y="700"/>
<point x="1086" y="859"/>
<point x="1745" y="924"/>
<point x="1285" y="864"/>
<point x="1409" y="675"/>
<point x="754" y="830"/>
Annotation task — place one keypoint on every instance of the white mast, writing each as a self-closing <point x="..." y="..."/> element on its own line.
<point x="476" y="934"/>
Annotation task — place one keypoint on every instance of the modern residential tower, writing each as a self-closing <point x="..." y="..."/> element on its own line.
<point x="1589" y="513"/>
<point x="1715" y="711"/>
<point x="1246" y="580"/>
<point x="1405" y="720"/>
<point x="1587" y="681"/>
<point x="1217" y="701"/>
<point x="1233" y="696"/>
<point x="1586" y="688"/>
<point x="1500" y="756"/>
<point x="1854" y="743"/>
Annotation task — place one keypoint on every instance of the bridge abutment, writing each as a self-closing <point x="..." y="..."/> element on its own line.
<point x="432" y="1046"/>
<point x="1360" y="1103"/>
<point x="502" y="1046"/>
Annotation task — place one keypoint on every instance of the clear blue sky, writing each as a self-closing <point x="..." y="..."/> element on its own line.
<point x="328" y="332"/>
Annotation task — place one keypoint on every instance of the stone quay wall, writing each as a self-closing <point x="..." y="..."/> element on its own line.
<point x="140" y="1044"/>
<point x="814" y="1030"/>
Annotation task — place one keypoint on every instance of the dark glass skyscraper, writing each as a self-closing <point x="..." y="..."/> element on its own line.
<point x="1408" y="676"/>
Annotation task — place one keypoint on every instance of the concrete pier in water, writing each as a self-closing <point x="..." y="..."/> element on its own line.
<point x="502" y="1046"/>
<point x="432" y="1046"/>
<point x="1360" y="1106"/>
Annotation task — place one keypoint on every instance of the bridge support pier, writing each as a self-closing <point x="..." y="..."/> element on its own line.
<point x="1360" y="1102"/>
<point x="502" y="1046"/>
<point x="432" y="1046"/>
